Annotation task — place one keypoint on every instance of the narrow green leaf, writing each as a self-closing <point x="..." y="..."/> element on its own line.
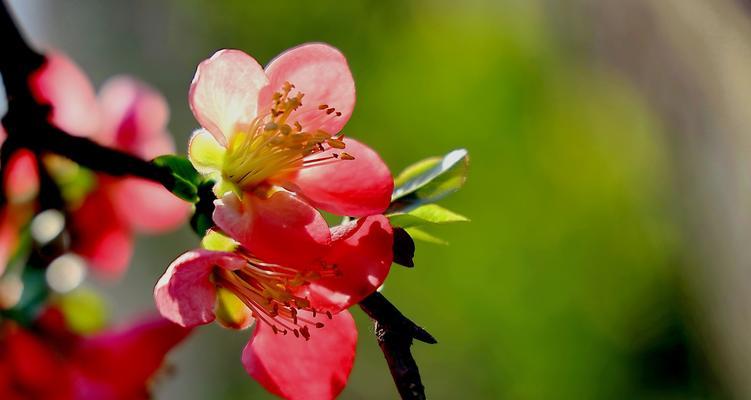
<point x="419" y="234"/>
<point x="185" y="190"/>
<point x="429" y="180"/>
<point x="424" y="215"/>
<point x="180" y="167"/>
<point x="416" y="170"/>
<point x="186" y="177"/>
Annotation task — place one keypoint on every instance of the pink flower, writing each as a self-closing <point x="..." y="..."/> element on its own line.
<point x="129" y="116"/>
<point x="280" y="128"/>
<point x="50" y="362"/>
<point x="303" y="345"/>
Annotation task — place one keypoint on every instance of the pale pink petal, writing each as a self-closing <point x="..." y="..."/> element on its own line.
<point x="62" y="84"/>
<point x="135" y="118"/>
<point x="362" y="253"/>
<point x="147" y="206"/>
<point x="185" y="293"/>
<point x="100" y="236"/>
<point x="321" y="73"/>
<point x="354" y="188"/>
<point x="293" y="368"/>
<point x="225" y="91"/>
<point x="279" y="229"/>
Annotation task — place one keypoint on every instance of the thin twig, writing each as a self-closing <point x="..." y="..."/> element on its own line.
<point x="395" y="333"/>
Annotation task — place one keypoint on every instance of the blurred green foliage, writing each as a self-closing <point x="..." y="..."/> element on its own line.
<point x="565" y="284"/>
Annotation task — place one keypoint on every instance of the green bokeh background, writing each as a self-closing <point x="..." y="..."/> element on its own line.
<point x="565" y="283"/>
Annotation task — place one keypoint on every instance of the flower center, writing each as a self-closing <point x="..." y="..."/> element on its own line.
<point x="273" y="145"/>
<point x="269" y="291"/>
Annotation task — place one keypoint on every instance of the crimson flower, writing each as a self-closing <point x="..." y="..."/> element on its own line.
<point x="129" y="116"/>
<point x="303" y="346"/>
<point x="280" y="127"/>
<point x="51" y="362"/>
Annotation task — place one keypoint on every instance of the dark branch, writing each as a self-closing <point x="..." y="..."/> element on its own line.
<point x="27" y="120"/>
<point x="395" y="333"/>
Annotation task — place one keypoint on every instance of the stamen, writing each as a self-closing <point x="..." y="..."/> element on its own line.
<point x="268" y="291"/>
<point x="276" y="142"/>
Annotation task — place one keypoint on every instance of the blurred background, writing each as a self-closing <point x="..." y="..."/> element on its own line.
<point x="608" y="254"/>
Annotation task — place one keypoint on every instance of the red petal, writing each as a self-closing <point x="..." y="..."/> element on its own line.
<point x="120" y="364"/>
<point x="61" y="83"/>
<point x="355" y="188"/>
<point x="362" y="252"/>
<point x="147" y="206"/>
<point x="21" y="176"/>
<point x="280" y="229"/>
<point x="37" y="370"/>
<point x="294" y="368"/>
<point x="185" y="293"/>
<point x="322" y="74"/>
<point x="135" y="118"/>
<point x="100" y="235"/>
<point x="225" y="91"/>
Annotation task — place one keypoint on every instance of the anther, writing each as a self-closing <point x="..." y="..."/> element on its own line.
<point x="297" y="334"/>
<point x="270" y="126"/>
<point x="335" y="143"/>
<point x="319" y="325"/>
<point x="328" y="315"/>
<point x="330" y="110"/>
<point x="323" y="106"/>
<point x="346" y="156"/>
<point x="305" y="332"/>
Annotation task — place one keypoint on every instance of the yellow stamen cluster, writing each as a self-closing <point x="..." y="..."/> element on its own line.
<point x="272" y="144"/>
<point x="268" y="291"/>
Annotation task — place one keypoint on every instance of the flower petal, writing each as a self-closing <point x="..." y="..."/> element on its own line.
<point x="205" y="153"/>
<point x="134" y="118"/>
<point x="362" y="252"/>
<point x="279" y="229"/>
<point x="21" y="176"/>
<point x="225" y="91"/>
<point x="185" y="294"/>
<point x="322" y="74"/>
<point x="147" y="206"/>
<point x="355" y="188"/>
<point x="62" y="84"/>
<point x="100" y="235"/>
<point x="37" y="370"/>
<point x="294" y="368"/>
<point x="119" y="364"/>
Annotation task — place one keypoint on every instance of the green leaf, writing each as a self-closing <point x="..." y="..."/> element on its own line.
<point x="429" y="180"/>
<point x="424" y="215"/>
<point x="187" y="179"/>
<point x="419" y="234"/>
